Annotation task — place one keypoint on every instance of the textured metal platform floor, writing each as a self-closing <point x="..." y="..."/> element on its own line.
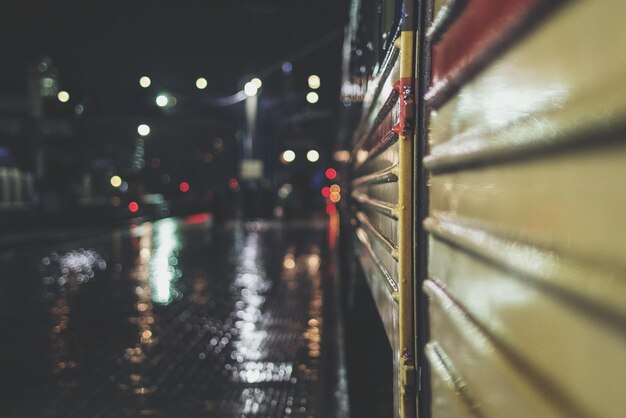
<point x="170" y="319"/>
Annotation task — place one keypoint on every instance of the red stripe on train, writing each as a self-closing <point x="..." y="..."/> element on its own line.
<point x="480" y="26"/>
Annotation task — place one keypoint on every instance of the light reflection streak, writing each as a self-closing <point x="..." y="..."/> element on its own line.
<point x="313" y="333"/>
<point x="144" y="319"/>
<point x="251" y="283"/>
<point x="164" y="261"/>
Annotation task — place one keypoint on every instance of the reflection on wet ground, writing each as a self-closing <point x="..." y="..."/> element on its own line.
<point x="172" y="318"/>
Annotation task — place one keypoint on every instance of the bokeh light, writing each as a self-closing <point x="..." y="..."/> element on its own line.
<point x="312" y="155"/>
<point x="116" y="181"/>
<point x="133" y="207"/>
<point x="162" y="100"/>
<point x="312" y="97"/>
<point x="202" y="83"/>
<point x="145" y="81"/>
<point x="289" y="156"/>
<point x="314" y="82"/>
<point x="143" y="129"/>
<point x="63" y="96"/>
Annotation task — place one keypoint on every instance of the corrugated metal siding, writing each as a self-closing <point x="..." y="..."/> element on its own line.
<point x="527" y="257"/>
<point x="375" y="196"/>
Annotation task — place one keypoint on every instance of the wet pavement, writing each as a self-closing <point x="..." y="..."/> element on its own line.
<point x="174" y="318"/>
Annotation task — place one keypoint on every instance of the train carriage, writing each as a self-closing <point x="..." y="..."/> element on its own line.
<point x="487" y="193"/>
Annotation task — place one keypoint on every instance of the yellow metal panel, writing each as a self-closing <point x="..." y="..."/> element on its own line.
<point x="487" y="382"/>
<point x="570" y="205"/>
<point x="571" y="350"/>
<point x="387" y="192"/>
<point x="387" y="307"/>
<point x="446" y="399"/>
<point x="526" y="219"/>
<point x="388" y="208"/>
<point x="389" y="157"/>
<point x="562" y="82"/>
<point x="384" y="256"/>
<point x="387" y="226"/>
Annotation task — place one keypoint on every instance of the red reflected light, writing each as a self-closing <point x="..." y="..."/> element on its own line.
<point x="198" y="218"/>
<point x="233" y="183"/>
<point x="326" y="192"/>
<point x="184" y="187"/>
<point x="331" y="173"/>
<point x="133" y="207"/>
<point x="331" y="209"/>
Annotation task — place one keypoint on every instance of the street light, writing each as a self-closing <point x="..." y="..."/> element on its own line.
<point x="116" y="181"/>
<point x="162" y="100"/>
<point x="143" y="129"/>
<point x="314" y="82"/>
<point x="63" y="96"/>
<point x="250" y="89"/>
<point x="312" y="155"/>
<point x="312" y="97"/>
<point x="202" y="83"/>
<point x="289" y="156"/>
<point x="145" y="81"/>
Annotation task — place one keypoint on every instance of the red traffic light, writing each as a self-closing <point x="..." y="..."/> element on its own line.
<point x="331" y="173"/>
<point x="133" y="207"/>
<point x="184" y="187"/>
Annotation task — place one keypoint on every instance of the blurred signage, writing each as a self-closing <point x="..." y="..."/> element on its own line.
<point x="251" y="169"/>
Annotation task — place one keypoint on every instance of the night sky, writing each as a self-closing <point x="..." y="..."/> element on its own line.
<point x="105" y="45"/>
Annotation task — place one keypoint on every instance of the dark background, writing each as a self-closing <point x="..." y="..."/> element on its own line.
<point x="101" y="49"/>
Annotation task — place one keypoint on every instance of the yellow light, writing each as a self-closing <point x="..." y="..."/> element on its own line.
<point x="312" y="97"/>
<point x="314" y="82"/>
<point x="335" y="188"/>
<point x="143" y="129"/>
<point x="162" y="100"/>
<point x="289" y="263"/>
<point x="289" y="156"/>
<point x="312" y="155"/>
<point x="250" y="89"/>
<point x="201" y="83"/>
<point x="342" y="156"/>
<point x="145" y="81"/>
<point x="335" y="197"/>
<point x="256" y="82"/>
<point x="116" y="181"/>
<point x="63" y="96"/>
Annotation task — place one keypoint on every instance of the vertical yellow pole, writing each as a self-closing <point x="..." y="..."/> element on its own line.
<point x="407" y="338"/>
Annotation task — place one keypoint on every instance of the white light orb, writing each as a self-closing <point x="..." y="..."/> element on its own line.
<point x="314" y="82"/>
<point x="143" y="129"/>
<point x="289" y="156"/>
<point x="162" y="100"/>
<point x="250" y="89"/>
<point x="145" y="81"/>
<point x="63" y="96"/>
<point x="312" y="97"/>
<point x="202" y="83"/>
<point x="312" y="155"/>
